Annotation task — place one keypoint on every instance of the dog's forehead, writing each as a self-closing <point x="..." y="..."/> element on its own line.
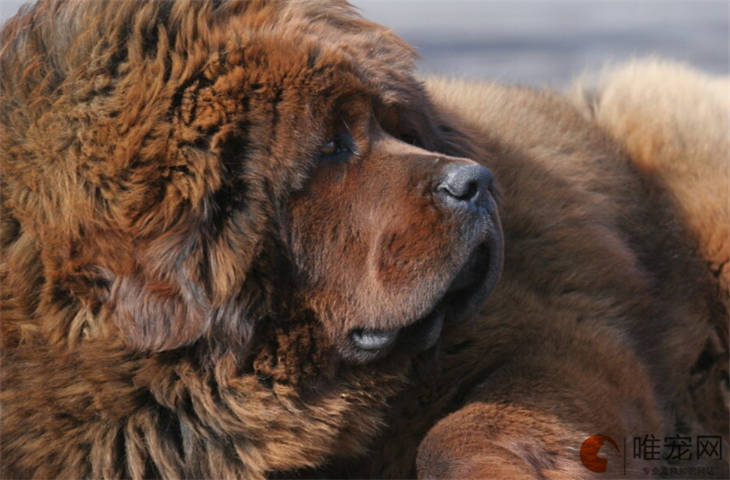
<point x="300" y="63"/>
<point x="321" y="66"/>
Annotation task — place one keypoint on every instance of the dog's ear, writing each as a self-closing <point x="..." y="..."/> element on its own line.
<point x="156" y="315"/>
<point x="160" y="303"/>
<point x="187" y="284"/>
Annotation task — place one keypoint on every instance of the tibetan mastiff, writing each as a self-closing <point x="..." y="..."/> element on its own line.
<point x="241" y="240"/>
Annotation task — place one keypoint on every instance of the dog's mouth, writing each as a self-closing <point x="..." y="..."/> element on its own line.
<point x="466" y="293"/>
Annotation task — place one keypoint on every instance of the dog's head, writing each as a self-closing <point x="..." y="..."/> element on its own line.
<point x="189" y="170"/>
<point x="390" y="237"/>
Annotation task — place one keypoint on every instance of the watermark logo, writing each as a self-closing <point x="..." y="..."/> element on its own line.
<point x="678" y="447"/>
<point x="589" y="452"/>
<point x="670" y="456"/>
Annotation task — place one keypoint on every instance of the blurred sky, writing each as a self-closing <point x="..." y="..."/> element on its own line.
<point x="551" y="41"/>
<point x="548" y="41"/>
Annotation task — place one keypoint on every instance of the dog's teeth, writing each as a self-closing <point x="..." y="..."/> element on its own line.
<point x="373" y="340"/>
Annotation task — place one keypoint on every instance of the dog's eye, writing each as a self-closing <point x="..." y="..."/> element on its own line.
<point x="330" y="148"/>
<point x="339" y="146"/>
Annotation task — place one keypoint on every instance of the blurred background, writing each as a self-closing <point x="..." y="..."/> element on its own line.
<point x="551" y="41"/>
<point x="547" y="42"/>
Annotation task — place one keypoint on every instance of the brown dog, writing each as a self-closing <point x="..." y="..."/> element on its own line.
<point x="219" y="257"/>
<point x="238" y="240"/>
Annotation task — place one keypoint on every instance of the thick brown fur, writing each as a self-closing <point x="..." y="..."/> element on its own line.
<point x="649" y="352"/>
<point x="182" y="267"/>
<point x="673" y="122"/>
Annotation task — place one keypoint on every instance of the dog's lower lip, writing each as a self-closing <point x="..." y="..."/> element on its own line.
<point x="374" y="340"/>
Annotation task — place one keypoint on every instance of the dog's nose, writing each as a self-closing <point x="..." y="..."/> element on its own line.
<point x="465" y="185"/>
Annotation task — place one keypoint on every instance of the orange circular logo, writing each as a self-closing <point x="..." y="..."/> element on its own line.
<point x="589" y="452"/>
